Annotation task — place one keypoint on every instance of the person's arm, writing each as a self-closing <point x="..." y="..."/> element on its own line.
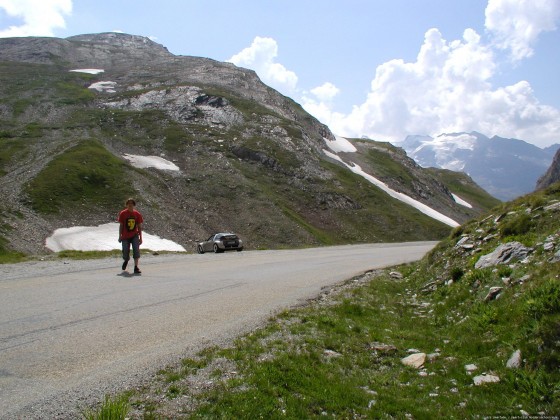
<point x="140" y="233"/>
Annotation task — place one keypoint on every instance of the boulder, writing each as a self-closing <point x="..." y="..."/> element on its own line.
<point x="415" y="360"/>
<point x="382" y="347"/>
<point x="471" y="368"/>
<point x="493" y="293"/>
<point x="485" y="379"/>
<point x="505" y="253"/>
<point x="514" y="361"/>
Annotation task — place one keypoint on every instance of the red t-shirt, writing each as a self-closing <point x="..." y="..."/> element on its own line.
<point x="130" y="220"/>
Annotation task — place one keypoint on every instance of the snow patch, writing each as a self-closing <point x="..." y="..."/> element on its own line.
<point x="151" y="162"/>
<point x="462" y="141"/>
<point x="460" y="201"/>
<point x="428" y="211"/>
<point x="102" y="238"/>
<point x="340" y="144"/>
<point x="88" y="71"/>
<point x="108" y="87"/>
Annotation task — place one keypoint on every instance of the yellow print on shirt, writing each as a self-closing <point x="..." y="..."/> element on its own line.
<point x="130" y="223"/>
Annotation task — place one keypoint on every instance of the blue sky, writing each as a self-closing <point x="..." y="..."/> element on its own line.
<point x="377" y="68"/>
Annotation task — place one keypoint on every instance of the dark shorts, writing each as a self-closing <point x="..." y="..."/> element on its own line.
<point x="135" y="242"/>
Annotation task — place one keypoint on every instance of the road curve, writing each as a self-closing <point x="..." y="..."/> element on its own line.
<point x="71" y="331"/>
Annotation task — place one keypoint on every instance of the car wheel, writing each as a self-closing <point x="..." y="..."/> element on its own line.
<point x="239" y="249"/>
<point x="216" y="248"/>
<point x="200" y="250"/>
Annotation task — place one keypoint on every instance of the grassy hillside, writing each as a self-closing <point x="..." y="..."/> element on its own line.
<point x="252" y="164"/>
<point x="85" y="175"/>
<point x="342" y="355"/>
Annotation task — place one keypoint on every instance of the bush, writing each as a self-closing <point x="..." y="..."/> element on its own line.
<point x="544" y="300"/>
<point x="457" y="273"/>
<point x="112" y="409"/>
<point x="518" y="226"/>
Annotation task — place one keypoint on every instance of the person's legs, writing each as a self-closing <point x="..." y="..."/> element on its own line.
<point x="125" y="252"/>
<point x="136" y="252"/>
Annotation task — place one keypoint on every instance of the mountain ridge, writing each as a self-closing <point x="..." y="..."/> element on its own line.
<point x="506" y="168"/>
<point x="250" y="159"/>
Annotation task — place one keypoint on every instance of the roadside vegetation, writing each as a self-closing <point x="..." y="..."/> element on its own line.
<point x="487" y="339"/>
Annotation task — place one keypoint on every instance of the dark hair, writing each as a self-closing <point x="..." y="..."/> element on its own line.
<point x="129" y="200"/>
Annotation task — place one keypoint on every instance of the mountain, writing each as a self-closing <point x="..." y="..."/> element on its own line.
<point x="552" y="175"/>
<point x="81" y="116"/>
<point x="506" y="168"/>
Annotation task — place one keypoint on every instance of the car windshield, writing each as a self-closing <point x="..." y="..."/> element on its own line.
<point x="224" y="236"/>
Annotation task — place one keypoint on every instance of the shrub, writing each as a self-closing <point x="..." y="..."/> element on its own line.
<point x="112" y="409"/>
<point x="457" y="273"/>
<point x="517" y="226"/>
<point x="544" y="299"/>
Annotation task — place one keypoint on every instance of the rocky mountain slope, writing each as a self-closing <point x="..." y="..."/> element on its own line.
<point x="506" y="168"/>
<point x="552" y="175"/>
<point x="249" y="160"/>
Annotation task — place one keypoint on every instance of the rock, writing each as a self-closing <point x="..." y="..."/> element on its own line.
<point x="489" y="237"/>
<point x="522" y="280"/>
<point x="382" y="347"/>
<point x="485" y="379"/>
<point x="514" y="361"/>
<point x="415" y="360"/>
<point x="429" y="287"/>
<point x="493" y="293"/>
<point x="548" y="246"/>
<point x="471" y="368"/>
<point x="500" y="217"/>
<point x="503" y="254"/>
<point x="331" y="353"/>
<point x="553" y="207"/>
<point x="464" y="243"/>
<point x="395" y="275"/>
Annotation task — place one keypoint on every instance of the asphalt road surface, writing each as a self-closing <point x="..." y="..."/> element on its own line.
<point x="73" y="330"/>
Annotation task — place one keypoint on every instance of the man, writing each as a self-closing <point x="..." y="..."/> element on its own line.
<point x="130" y="233"/>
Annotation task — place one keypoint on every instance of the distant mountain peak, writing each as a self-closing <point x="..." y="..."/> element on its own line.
<point x="119" y="39"/>
<point x="506" y="168"/>
<point x="552" y="175"/>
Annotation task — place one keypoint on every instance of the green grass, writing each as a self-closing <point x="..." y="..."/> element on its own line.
<point x="111" y="409"/>
<point x="85" y="175"/>
<point x="89" y="255"/>
<point x="9" y="256"/>
<point x="10" y="148"/>
<point x="462" y="185"/>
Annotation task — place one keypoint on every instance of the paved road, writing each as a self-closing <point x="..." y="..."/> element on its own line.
<point x="73" y="328"/>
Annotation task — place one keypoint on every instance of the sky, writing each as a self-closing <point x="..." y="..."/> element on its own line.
<point x="382" y="69"/>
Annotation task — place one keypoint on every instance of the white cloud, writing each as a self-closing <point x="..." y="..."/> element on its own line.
<point x="447" y="89"/>
<point x="260" y="56"/>
<point x="319" y="102"/>
<point x="40" y="17"/>
<point x="516" y="24"/>
<point x="326" y="92"/>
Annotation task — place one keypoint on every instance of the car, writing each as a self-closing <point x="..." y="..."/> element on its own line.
<point x="220" y="242"/>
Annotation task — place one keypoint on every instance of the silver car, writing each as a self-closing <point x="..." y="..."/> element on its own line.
<point x="220" y="242"/>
